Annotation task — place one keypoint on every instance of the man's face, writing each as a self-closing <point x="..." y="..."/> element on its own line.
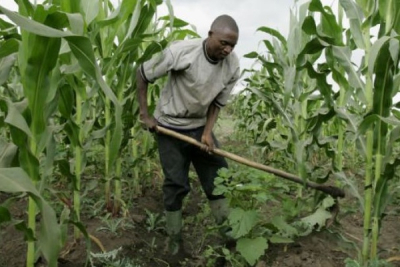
<point x="221" y="43"/>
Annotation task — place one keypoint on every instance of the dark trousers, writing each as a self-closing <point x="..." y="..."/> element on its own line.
<point x="176" y="156"/>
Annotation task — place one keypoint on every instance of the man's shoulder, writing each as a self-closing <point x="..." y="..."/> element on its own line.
<point x="187" y="44"/>
<point x="233" y="59"/>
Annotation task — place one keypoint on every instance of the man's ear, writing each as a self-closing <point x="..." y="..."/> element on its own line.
<point x="210" y="33"/>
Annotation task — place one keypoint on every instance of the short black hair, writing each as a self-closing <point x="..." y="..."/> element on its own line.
<point x="223" y="21"/>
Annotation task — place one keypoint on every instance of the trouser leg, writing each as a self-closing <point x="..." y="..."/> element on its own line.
<point x="175" y="160"/>
<point x="207" y="167"/>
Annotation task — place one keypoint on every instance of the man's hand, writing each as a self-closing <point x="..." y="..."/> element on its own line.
<point x="208" y="142"/>
<point x="149" y="123"/>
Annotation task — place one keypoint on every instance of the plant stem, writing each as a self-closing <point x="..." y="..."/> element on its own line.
<point x="118" y="188"/>
<point x="30" y="254"/>
<point x="107" y="155"/>
<point x="78" y="166"/>
<point x="369" y="187"/>
<point x="30" y="257"/>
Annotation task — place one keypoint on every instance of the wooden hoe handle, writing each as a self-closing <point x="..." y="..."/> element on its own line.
<point x="330" y="190"/>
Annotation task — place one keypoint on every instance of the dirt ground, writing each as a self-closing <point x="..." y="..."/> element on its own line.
<point x="320" y="249"/>
<point x="143" y="240"/>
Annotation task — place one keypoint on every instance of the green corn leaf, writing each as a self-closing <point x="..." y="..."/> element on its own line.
<point x="134" y="21"/>
<point x="33" y="26"/>
<point x="5" y="25"/>
<point x="8" y="47"/>
<point x="367" y="6"/>
<point x="7" y="153"/>
<point x="352" y="125"/>
<point x="394" y="49"/>
<point x="355" y="15"/>
<point x="177" y="23"/>
<point x="29" y="163"/>
<point x="36" y="78"/>
<point x="123" y="11"/>
<point x="375" y="49"/>
<point x="329" y="25"/>
<point x="15" y="180"/>
<point x="66" y="101"/>
<point x="6" y="65"/>
<point x="90" y="9"/>
<point x="343" y="56"/>
<point x="274" y="33"/>
<point x="309" y="26"/>
<point x="252" y="249"/>
<point x="251" y="55"/>
<point x="15" y="118"/>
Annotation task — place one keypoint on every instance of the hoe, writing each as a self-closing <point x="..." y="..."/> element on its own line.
<point x="335" y="192"/>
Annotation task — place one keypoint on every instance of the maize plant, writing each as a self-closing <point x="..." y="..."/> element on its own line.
<point x="358" y="95"/>
<point x="72" y="99"/>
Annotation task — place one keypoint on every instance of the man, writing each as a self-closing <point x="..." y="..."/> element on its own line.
<point x="201" y="75"/>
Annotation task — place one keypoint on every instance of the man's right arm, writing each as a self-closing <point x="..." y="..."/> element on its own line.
<point x="146" y="119"/>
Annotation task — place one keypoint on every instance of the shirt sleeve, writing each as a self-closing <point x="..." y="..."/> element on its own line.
<point x="160" y="64"/>
<point x="222" y="98"/>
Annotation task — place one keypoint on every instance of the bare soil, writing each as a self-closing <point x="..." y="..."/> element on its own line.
<point x="320" y="249"/>
<point x="145" y="245"/>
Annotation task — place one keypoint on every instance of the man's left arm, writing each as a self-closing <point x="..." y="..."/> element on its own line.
<point x="213" y="111"/>
<point x="206" y="138"/>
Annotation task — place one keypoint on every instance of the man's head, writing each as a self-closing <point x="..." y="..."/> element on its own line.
<point x="222" y="37"/>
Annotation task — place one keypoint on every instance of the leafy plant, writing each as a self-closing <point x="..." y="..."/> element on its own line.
<point x="154" y="221"/>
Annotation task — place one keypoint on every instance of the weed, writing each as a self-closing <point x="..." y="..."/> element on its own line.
<point x="154" y="221"/>
<point x="113" y="225"/>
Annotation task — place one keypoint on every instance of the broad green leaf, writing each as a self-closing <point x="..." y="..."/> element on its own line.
<point x="71" y="6"/>
<point x="375" y="49"/>
<point x="394" y="49"/>
<point x="134" y="21"/>
<point x="15" y="118"/>
<point x="396" y="17"/>
<point x="177" y="22"/>
<point x="33" y="26"/>
<point x="8" y="47"/>
<point x="343" y="56"/>
<point x="90" y="9"/>
<point x="5" y="24"/>
<point x="367" y="6"/>
<point x="7" y="153"/>
<point x="274" y="33"/>
<point x="309" y="26"/>
<point x="318" y="218"/>
<point x="283" y="227"/>
<point x="6" y="65"/>
<point x="36" y="78"/>
<point x="314" y="46"/>
<point x="66" y="101"/>
<point x="353" y="124"/>
<point x="82" y="50"/>
<point x="329" y="25"/>
<point x="242" y="221"/>
<point x="354" y="14"/>
<point x="251" y="55"/>
<point x="252" y="249"/>
<point x="29" y="163"/>
<point x="321" y="78"/>
<point x="123" y="11"/>
<point x="15" y="180"/>
<point x="382" y="101"/>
